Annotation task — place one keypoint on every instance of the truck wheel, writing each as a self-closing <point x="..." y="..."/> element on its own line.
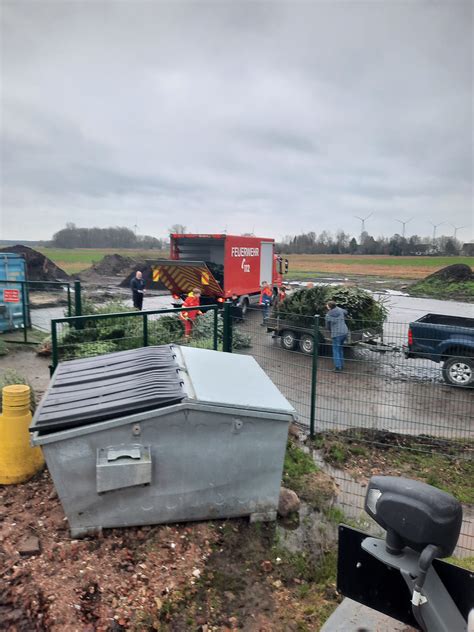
<point x="459" y="371"/>
<point x="245" y="306"/>
<point x="307" y="344"/>
<point x="288" y="340"/>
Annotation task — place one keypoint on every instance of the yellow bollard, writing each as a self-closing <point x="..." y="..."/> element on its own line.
<point x="18" y="460"/>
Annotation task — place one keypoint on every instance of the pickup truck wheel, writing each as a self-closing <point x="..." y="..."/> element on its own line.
<point x="288" y="340"/>
<point x="307" y="344"/>
<point x="459" y="371"/>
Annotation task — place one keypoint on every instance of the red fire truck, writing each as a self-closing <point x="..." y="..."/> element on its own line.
<point x="221" y="265"/>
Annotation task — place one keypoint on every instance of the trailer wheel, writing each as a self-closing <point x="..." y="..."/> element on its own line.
<point x="245" y="306"/>
<point x="459" y="371"/>
<point x="307" y="344"/>
<point x="288" y="340"/>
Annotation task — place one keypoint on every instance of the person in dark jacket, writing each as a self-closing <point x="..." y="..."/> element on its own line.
<point x="138" y="289"/>
<point x="335" y="322"/>
<point x="236" y="309"/>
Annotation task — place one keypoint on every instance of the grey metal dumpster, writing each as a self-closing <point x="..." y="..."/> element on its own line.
<point x="163" y="434"/>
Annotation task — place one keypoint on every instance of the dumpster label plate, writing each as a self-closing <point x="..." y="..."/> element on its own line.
<point x="122" y="466"/>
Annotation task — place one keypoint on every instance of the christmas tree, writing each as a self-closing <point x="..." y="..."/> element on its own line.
<point x="362" y="309"/>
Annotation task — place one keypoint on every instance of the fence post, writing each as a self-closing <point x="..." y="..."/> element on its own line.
<point x="78" y="304"/>
<point x="314" y="374"/>
<point x="215" y="346"/>
<point x="54" y="347"/>
<point x="27" y="296"/>
<point x="145" y="329"/>
<point x="77" y="298"/>
<point x="227" y="334"/>
<point x="69" y="307"/>
<point x="24" y="312"/>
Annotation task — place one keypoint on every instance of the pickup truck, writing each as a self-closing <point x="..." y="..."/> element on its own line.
<point x="446" y="339"/>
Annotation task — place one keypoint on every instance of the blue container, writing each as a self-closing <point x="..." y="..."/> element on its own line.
<point x="12" y="314"/>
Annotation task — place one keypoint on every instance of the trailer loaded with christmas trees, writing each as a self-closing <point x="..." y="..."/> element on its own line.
<point x="292" y="319"/>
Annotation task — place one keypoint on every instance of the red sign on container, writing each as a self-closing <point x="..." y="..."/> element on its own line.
<point x="11" y="296"/>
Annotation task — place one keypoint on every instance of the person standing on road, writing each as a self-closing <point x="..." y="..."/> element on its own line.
<point x="281" y="294"/>
<point x="265" y="301"/>
<point x="335" y="322"/>
<point x="138" y="289"/>
<point x="188" y="317"/>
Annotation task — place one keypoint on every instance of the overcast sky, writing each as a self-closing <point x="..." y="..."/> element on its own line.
<point x="272" y="117"/>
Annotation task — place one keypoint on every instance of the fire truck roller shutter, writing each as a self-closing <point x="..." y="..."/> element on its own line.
<point x="266" y="262"/>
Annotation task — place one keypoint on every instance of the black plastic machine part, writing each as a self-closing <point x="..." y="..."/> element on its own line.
<point x="91" y="390"/>
<point x="414" y="514"/>
<point x="362" y="577"/>
<point x="418" y="516"/>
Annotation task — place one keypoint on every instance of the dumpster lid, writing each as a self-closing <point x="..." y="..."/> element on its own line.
<point x="91" y="390"/>
<point x="232" y="380"/>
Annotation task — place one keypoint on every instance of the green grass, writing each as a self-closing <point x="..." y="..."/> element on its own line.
<point x="451" y="471"/>
<point x="296" y="466"/>
<point x="440" y="289"/>
<point x="302" y="475"/>
<point x="432" y="262"/>
<point x="463" y="562"/>
<point x="73" y="260"/>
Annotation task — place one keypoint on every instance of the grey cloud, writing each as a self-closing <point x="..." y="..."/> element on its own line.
<point x="287" y="116"/>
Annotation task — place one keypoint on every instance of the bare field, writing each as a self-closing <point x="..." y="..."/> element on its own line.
<point x="75" y="260"/>
<point x="370" y="265"/>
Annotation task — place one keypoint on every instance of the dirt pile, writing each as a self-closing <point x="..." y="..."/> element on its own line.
<point x="38" y="267"/>
<point x="455" y="282"/>
<point x="111" y="265"/>
<point x="456" y="273"/>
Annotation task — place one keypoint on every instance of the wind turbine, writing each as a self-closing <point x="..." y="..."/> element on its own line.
<point x="404" y="224"/>
<point x="456" y="228"/>
<point x="435" y="226"/>
<point x="363" y="220"/>
<point x="135" y="227"/>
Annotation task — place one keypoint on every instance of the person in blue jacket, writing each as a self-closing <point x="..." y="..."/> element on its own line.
<point x="335" y="322"/>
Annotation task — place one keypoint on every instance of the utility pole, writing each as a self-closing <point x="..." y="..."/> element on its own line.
<point x="362" y="222"/>
<point x="435" y="226"/>
<point x="456" y="228"/>
<point x="404" y="224"/>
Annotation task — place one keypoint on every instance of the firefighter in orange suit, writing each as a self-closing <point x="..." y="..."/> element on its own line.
<point x="193" y="300"/>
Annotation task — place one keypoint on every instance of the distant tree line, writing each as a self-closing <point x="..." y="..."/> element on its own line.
<point x="112" y="237"/>
<point x="342" y="243"/>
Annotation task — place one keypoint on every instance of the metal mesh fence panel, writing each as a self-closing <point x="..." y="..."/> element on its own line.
<point x="97" y="334"/>
<point x="289" y="369"/>
<point x="394" y="395"/>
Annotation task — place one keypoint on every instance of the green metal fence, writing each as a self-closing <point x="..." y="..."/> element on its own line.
<point x="30" y="286"/>
<point x="384" y="413"/>
<point x="95" y="334"/>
